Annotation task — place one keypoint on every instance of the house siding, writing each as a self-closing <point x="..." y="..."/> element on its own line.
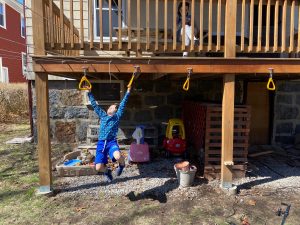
<point x="12" y="45"/>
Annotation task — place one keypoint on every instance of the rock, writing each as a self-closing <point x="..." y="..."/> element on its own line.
<point x="288" y="86"/>
<point x="76" y="112"/>
<point x="54" y="96"/>
<point x="71" y="97"/>
<point x="143" y="86"/>
<point x="134" y="101"/>
<point x="163" y="113"/>
<point x="65" y="132"/>
<point x="163" y="86"/>
<point x="154" y="100"/>
<point x="143" y="116"/>
<point x="284" y="128"/>
<point x="284" y="139"/>
<point x="57" y="113"/>
<point x="286" y="112"/>
<point x="287" y="99"/>
<point x="175" y="99"/>
<point x="82" y="131"/>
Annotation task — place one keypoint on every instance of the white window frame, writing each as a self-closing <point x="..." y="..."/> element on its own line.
<point x="23" y="18"/>
<point x="24" y="65"/>
<point x="5" y="68"/>
<point x="105" y="38"/>
<point x="86" y="100"/>
<point x="4" y="15"/>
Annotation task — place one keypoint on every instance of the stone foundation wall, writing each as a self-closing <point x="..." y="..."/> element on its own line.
<point x="151" y="102"/>
<point x="286" y="112"/>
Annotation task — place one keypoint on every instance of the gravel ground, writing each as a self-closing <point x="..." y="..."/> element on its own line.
<point x="157" y="180"/>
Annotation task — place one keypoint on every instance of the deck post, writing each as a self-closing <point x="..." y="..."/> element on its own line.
<point x="228" y="97"/>
<point x="42" y="101"/>
<point x="43" y="132"/>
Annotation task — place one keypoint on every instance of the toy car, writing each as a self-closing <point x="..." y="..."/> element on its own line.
<point x="175" y="142"/>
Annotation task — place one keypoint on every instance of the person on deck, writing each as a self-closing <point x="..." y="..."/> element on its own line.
<point x="188" y="28"/>
<point x="107" y="143"/>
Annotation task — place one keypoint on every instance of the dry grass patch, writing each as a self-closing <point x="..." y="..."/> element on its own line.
<point x="13" y="102"/>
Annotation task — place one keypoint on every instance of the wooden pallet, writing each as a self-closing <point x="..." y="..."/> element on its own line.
<point x="213" y="138"/>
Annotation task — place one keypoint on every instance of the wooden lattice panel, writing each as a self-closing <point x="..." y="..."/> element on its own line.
<point x="213" y="136"/>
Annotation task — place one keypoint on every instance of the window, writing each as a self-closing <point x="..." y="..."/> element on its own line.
<point x="23" y="27"/>
<point x="24" y="63"/>
<point x="4" y="75"/>
<point x="107" y="92"/>
<point x="105" y="14"/>
<point x="2" y="15"/>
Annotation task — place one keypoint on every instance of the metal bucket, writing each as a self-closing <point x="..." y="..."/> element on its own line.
<point x="186" y="178"/>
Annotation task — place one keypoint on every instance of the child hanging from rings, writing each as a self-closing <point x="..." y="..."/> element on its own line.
<point x="107" y="143"/>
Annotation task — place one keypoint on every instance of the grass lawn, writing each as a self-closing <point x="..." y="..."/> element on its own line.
<point x="19" y="204"/>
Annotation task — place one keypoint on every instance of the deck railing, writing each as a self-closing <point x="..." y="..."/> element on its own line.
<point x="263" y="26"/>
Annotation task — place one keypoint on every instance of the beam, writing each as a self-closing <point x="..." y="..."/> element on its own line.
<point x="200" y="66"/>
<point x="43" y="133"/>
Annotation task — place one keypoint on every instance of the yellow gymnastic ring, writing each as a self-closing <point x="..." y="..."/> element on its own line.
<point x="85" y="88"/>
<point x="186" y="85"/>
<point x="271" y="83"/>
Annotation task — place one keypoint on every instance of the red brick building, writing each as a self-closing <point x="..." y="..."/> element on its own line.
<point x="12" y="42"/>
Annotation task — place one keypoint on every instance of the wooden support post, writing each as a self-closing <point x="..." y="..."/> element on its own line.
<point x="228" y="96"/>
<point x="227" y="130"/>
<point x="42" y="104"/>
<point x="43" y="132"/>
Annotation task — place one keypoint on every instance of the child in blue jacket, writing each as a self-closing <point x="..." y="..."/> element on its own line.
<point x="107" y="143"/>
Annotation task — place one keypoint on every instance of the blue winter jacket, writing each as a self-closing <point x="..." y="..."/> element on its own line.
<point x="108" y="124"/>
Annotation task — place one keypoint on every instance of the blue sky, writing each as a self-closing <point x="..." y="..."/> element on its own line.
<point x="20" y="1"/>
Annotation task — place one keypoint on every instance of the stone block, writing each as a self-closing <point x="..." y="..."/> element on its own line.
<point x="284" y="128"/>
<point x="143" y="86"/>
<point x="126" y="115"/>
<point x="54" y="98"/>
<point x="143" y="116"/>
<point x="93" y="115"/>
<point x="82" y="131"/>
<point x="163" y="87"/>
<point x="175" y="98"/>
<point x="298" y="99"/>
<point x="154" y="100"/>
<point x="76" y="112"/>
<point x="65" y="132"/>
<point x="297" y="129"/>
<point x="34" y="112"/>
<point x="286" y="99"/>
<point x="288" y="86"/>
<point x="57" y="112"/>
<point x="286" y="112"/>
<point x="285" y="139"/>
<point x="135" y="101"/>
<point x="164" y="113"/>
<point x="71" y="98"/>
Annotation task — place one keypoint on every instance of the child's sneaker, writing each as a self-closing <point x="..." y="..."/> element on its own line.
<point x="108" y="176"/>
<point x="120" y="170"/>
